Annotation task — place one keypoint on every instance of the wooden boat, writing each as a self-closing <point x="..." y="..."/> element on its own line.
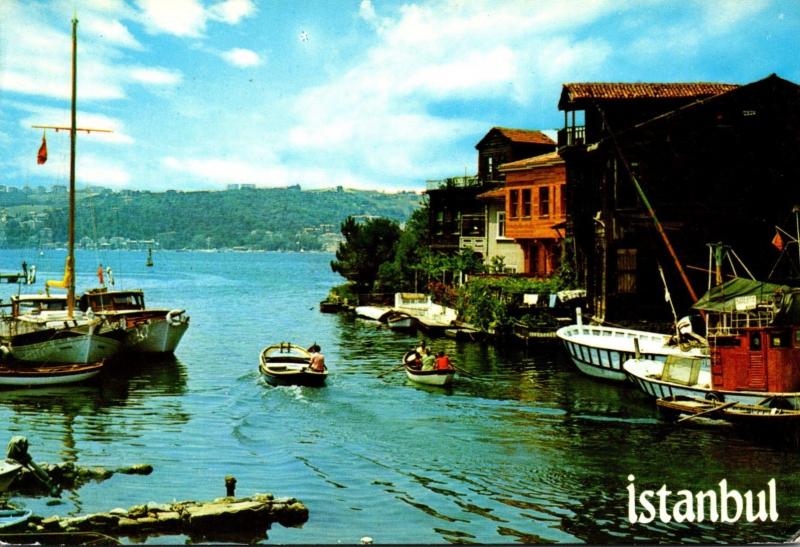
<point x="147" y="330"/>
<point x="329" y="306"/>
<point x="757" y="416"/>
<point x="600" y="351"/>
<point x="398" y="320"/>
<point x="373" y="313"/>
<point x="47" y="374"/>
<point x="435" y="377"/>
<point x="13" y="517"/>
<point x="8" y="472"/>
<point x="288" y="364"/>
<point x="40" y="329"/>
<point x="753" y="356"/>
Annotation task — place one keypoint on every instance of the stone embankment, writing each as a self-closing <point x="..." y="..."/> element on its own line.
<point x="251" y="515"/>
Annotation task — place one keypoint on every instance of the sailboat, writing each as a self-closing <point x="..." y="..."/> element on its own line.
<point x="44" y="328"/>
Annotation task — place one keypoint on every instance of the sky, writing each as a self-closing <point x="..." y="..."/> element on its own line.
<point x="366" y="94"/>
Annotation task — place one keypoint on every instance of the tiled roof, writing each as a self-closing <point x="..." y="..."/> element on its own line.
<point x="543" y="159"/>
<point x="530" y="136"/>
<point x="575" y="92"/>
<point x="525" y="135"/>
<point x="499" y="193"/>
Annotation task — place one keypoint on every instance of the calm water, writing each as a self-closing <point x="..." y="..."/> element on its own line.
<point x="526" y="451"/>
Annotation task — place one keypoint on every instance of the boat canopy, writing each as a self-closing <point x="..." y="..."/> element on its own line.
<point x="741" y="295"/>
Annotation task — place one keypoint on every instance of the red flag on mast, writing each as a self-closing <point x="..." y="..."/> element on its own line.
<point x="777" y="241"/>
<point x="42" y="157"/>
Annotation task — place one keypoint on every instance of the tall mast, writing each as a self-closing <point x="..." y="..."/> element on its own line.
<point x="72" y="139"/>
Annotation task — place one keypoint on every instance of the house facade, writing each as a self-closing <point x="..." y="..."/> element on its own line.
<point x="714" y="162"/>
<point x="458" y="219"/>
<point x="534" y="212"/>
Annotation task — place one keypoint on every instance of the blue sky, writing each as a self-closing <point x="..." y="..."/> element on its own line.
<point x="367" y="94"/>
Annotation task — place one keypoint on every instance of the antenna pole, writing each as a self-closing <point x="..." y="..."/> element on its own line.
<point x="72" y="139"/>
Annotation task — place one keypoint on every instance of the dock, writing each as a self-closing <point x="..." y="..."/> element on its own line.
<point x="12" y="277"/>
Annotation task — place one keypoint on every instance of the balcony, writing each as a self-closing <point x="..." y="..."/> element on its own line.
<point x="572" y="136"/>
<point x="452" y="182"/>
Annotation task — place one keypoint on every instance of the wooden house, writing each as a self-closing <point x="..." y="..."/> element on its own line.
<point x="716" y="162"/>
<point x="458" y="219"/>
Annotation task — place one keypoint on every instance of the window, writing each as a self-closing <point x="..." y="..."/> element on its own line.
<point x="489" y="168"/>
<point x="514" y="204"/>
<point x="501" y="224"/>
<point x="626" y="271"/>
<point x="544" y="202"/>
<point x="526" y="203"/>
<point x="562" y="193"/>
<point x="439" y="225"/>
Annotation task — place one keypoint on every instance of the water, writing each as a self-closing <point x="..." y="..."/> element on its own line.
<point x="527" y="450"/>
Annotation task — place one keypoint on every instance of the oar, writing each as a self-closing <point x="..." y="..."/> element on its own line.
<point x="710" y="411"/>
<point x="461" y="370"/>
<point x="398" y="367"/>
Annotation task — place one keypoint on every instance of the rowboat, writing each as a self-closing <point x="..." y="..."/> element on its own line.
<point x="47" y="374"/>
<point x="58" y="538"/>
<point x="435" y="377"/>
<point x="288" y="364"/>
<point x="13" y="517"/>
<point x="757" y="416"/>
<point x="600" y="351"/>
<point x="398" y="320"/>
<point x="8" y="472"/>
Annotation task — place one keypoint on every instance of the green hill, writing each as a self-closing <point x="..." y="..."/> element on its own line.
<point x="252" y="218"/>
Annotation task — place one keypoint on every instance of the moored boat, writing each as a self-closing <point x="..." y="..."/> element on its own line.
<point x="758" y="415"/>
<point x="40" y="330"/>
<point x="600" y="351"/>
<point x="373" y="313"/>
<point x="13" y="517"/>
<point x="288" y="364"/>
<point x="398" y="320"/>
<point x="8" y="472"/>
<point x="47" y="374"/>
<point x="147" y="330"/>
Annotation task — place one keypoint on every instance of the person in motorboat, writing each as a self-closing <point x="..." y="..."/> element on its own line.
<point x="443" y="361"/>
<point x="317" y="360"/>
<point x="428" y="359"/>
<point x="420" y="349"/>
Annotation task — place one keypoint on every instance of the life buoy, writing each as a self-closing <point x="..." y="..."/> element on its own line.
<point x="175" y="317"/>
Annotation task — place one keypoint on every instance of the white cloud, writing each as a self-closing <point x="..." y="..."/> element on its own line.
<point x="241" y="57"/>
<point x="155" y="76"/>
<point x="232" y="11"/>
<point x="185" y="18"/>
<point x="94" y="170"/>
<point x="111" y="31"/>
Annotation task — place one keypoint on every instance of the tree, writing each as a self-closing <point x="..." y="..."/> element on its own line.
<point x="364" y="249"/>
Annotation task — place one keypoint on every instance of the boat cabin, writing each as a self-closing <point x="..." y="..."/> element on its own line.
<point x="757" y="359"/>
<point x="37" y="304"/>
<point x="101" y="300"/>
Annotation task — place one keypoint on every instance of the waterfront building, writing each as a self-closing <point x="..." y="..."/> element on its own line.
<point x="716" y="161"/>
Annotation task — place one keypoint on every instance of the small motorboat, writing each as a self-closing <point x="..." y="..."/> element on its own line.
<point x="8" y="472"/>
<point x="435" y="377"/>
<point x="398" y="320"/>
<point x="47" y="374"/>
<point x="13" y="517"/>
<point x="287" y="364"/>
<point x="752" y="415"/>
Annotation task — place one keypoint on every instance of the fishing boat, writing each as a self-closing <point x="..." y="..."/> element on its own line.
<point x="39" y="329"/>
<point x="753" y="351"/>
<point x="600" y="351"/>
<point x="288" y="364"/>
<point x="147" y="330"/>
<point x="435" y="377"/>
<point x="757" y="416"/>
<point x="13" y="517"/>
<point x="47" y="374"/>
<point x="8" y="472"/>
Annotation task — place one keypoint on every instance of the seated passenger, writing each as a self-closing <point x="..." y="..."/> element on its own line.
<point x="428" y="360"/>
<point x="443" y="361"/>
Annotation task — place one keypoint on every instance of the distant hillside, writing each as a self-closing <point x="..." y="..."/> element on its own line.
<point x="265" y="218"/>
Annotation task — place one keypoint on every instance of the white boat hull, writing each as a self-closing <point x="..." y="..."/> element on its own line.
<point x="78" y="348"/>
<point x="8" y="471"/>
<point x="53" y="380"/>
<point x="431" y="378"/>
<point x="645" y="374"/>
<point x="600" y="351"/>
<point x="155" y="336"/>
